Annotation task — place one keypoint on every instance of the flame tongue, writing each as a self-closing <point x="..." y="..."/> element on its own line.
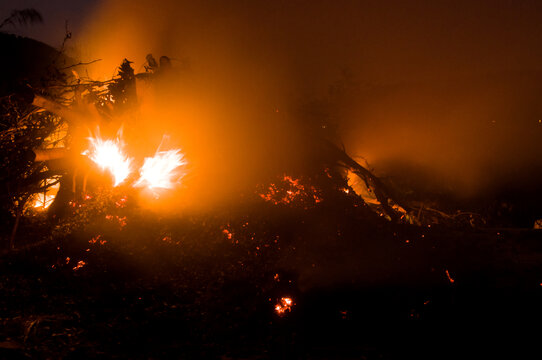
<point x="162" y="171"/>
<point x="109" y="156"/>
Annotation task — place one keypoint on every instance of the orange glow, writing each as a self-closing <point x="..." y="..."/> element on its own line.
<point x="228" y="234"/>
<point x="290" y="191"/>
<point x="162" y="171"/>
<point x="109" y="156"/>
<point x="43" y="200"/>
<point x="449" y="277"/>
<point x="361" y="189"/>
<point x="79" y="265"/>
<point x="284" y="305"/>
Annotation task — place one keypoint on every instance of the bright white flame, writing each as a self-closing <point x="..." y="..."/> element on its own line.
<point x="162" y="171"/>
<point x="109" y="156"/>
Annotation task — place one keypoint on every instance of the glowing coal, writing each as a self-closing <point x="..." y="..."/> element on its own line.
<point x="285" y="305"/>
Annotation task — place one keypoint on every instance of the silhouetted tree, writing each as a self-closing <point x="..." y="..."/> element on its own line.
<point x="22" y="17"/>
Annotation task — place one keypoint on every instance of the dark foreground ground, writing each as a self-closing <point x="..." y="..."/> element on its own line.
<point x="206" y="286"/>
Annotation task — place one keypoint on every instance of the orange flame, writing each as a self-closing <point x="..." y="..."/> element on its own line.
<point x="109" y="156"/>
<point x="162" y="171"/>
<point x="43" y="200"/>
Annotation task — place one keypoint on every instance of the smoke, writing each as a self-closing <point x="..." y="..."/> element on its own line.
<point x="447" y="88"/>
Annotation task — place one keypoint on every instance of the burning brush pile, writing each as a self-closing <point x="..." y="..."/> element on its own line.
<point x="83" y="196"/>
<point x="69" y="143"/>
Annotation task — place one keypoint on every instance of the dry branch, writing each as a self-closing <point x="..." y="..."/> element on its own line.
<point x="54" y="107"/>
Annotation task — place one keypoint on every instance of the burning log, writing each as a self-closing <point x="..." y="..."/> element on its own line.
<point x="389" y="205"/>
<point x="50" y="154"/>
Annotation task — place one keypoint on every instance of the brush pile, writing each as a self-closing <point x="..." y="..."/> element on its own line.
<point x="309" y="264"/>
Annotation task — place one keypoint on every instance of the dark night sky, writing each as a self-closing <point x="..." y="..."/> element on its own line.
<point x="55" y="13"/>
<point x="396" y="39"/>
<point x="452" y="86"/>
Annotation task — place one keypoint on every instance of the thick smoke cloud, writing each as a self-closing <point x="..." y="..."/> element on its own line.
<point x="447" y="88"/>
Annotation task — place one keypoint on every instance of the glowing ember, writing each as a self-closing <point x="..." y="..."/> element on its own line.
<point x="121" y="202"/>
<point x="291" y="191"/>
<point x="97" y="240"/>
<point x="109" y="156"/>
<point x="284" y="305"/>
<point x="452" y="280"/>
<point x="162" y="171"/>
<point x="79" y="265"/>
<point x="120" y="219"/>
<point x="228" y="234"/>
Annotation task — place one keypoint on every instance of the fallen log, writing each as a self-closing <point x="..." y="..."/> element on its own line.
<point x="50" y="154"/>
<point x="387" y="202"/>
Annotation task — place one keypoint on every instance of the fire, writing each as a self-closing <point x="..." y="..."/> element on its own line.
<point x="109" y="156"/>
<point x="290" y="191"/>
<point x="284" y="305"/>
<point x="43" y="200"/>
<point x="162" y="171"/>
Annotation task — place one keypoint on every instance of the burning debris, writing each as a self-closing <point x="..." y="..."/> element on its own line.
<point x="290" y="191"/>
<point x="104" y="104"/>
<point x="42" y="201"/>
<point x="97" y="240"/>
<point x="284" y="305"/>
<point x="80" y="265"/>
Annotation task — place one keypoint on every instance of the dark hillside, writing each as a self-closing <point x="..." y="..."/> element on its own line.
<point x="25" y="61"/>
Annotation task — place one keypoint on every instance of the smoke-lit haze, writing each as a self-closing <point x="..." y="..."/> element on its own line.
<point x="448" y="88"/>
